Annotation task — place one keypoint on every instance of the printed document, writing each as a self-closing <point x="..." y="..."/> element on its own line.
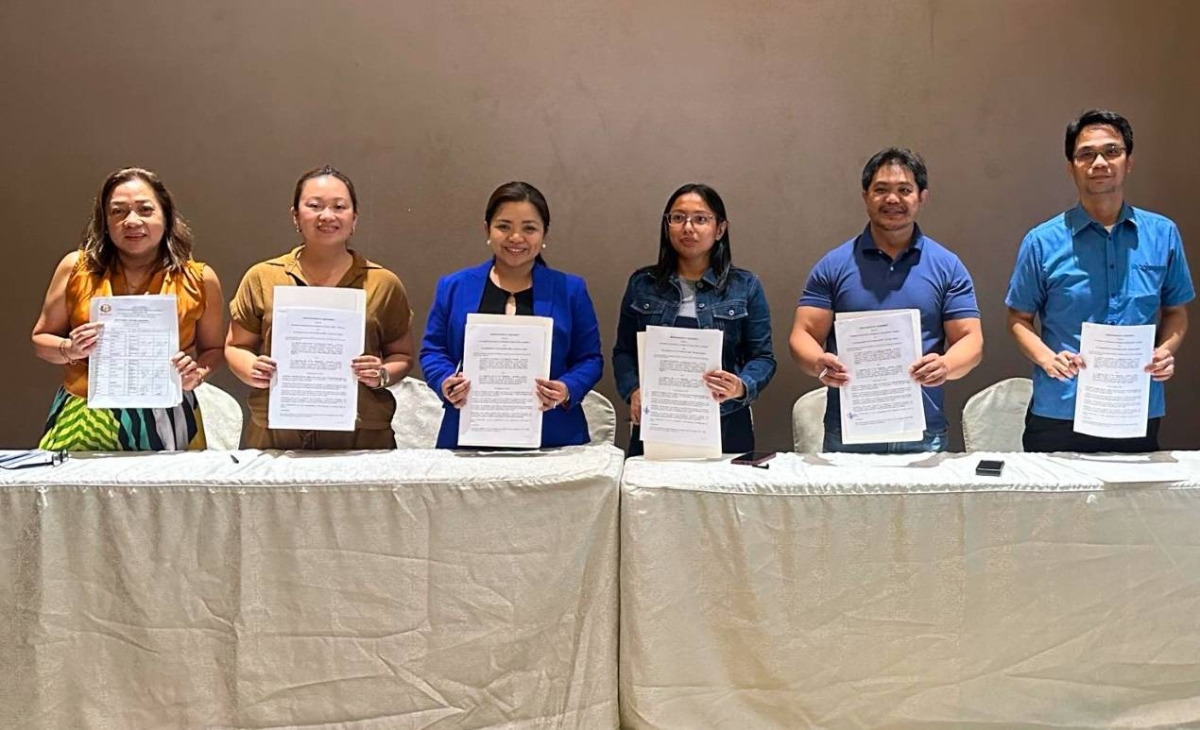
<point x="881" y="403"/>
<point x="1113" y="395"/>
<point x="131" y="365"/>
<point x="502" y="355"/>
<point x="316" y="332"/>
<point x="677" y="407"/>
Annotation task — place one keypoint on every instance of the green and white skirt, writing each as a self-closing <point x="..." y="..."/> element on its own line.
<point x="72" y="426"/>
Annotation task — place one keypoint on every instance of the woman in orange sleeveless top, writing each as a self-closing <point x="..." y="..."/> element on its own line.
<point x="136" y="243"/>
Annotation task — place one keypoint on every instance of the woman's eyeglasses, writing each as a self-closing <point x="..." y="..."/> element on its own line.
<point x="698" y="220"/>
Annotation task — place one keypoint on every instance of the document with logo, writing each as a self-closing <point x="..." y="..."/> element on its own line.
<point x="502" y="357"/>
<point x="1112" y="399"/>
<point x="316" y="332"/>
<point x="131" y="365"/>
<point x="678" y="409"/>
<point x="881" y="403"/>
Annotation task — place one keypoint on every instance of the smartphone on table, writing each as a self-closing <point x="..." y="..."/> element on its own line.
<point x="754" y="458"/>
<point x="989" y="468"/>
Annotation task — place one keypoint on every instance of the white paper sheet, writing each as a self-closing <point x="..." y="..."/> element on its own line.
<point x="1151" y="468"/>
<point x="660" y="450"/>
<point x="677" y="407"/>
<point x="1113" y="395"/>
<point x="881" y="403"/>
<point x="131" y="365"/>
<point x="316" y="332"/>
<point x="502" y="355"/>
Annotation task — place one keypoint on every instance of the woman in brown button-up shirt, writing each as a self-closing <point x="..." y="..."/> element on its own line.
<point x="325" y="210"/>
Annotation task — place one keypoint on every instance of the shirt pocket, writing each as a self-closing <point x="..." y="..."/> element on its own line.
<point x="1144" y="289"/>
<point x="648" y="310"/>
<point x="730" y="316"/>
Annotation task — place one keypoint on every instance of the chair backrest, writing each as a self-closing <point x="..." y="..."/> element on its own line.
<point x="418" y="416"/>
<point x="222" y="416"/>
<point x="601" y="418"/>
<point x="994" y="418"/>
<point x="808" y="422"/>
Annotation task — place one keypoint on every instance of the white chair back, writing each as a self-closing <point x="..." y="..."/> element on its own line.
<point x="808" y="422"/>
<point x="418" y="414"/>
<point x="994" y="418"/>
<point x="601" y="418"/>
<point x="222" y="416"/>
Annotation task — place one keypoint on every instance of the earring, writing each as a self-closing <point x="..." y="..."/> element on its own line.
<point x="488" y="243"/>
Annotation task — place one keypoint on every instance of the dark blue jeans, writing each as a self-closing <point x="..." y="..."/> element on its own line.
<point x="1054" y="434"/>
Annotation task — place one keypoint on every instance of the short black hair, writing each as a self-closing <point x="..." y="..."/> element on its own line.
<point x="896" y="156"/>
<point x="1091" y="118"/>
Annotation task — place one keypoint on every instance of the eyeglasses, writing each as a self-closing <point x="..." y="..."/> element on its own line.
<point x="36" y="457"/>
<point x="699" y="220"/>
<point x="1088" y="155"/>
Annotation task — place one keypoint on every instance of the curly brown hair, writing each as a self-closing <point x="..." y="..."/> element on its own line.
<point x="97" y="247"/>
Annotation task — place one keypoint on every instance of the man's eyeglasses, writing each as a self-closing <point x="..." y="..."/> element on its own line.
<point x="699" y="220"/>
<point x="1088" y="155"/>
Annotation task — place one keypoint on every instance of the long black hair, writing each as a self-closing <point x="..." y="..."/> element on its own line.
<point x="720" y="257"/>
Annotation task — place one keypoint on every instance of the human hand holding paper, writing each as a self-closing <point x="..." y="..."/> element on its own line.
<point x="1162" y="364"/>
<point x="1064" y="366"/>
<point x="833" y="371"/>
<point x="930" y="370"/>
<point x="724" y="385"/>
<point x="455" y="389"/>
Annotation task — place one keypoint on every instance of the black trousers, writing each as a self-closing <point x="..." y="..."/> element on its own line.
<point x="1055" y="434"/>
<point x="737" y="434"/>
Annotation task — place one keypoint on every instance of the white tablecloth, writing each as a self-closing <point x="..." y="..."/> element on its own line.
<point x="875" y="593"/>
<point x="371" y="590"/>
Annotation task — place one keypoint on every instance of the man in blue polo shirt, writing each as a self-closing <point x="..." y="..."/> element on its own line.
<point x="891" y="265"/>
<point x="1102" y="261"/>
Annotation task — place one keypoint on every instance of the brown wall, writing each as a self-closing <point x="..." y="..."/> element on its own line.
<point x="607" y="107"/>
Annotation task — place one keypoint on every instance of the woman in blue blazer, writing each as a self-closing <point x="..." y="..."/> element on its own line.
<point x="516" y="280"/>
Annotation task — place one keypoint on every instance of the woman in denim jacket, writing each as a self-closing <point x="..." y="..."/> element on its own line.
<point x="694" y="284"/>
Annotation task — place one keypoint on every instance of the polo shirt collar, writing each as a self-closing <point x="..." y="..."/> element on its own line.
<point x="867" y="241"/>
<point x="1078" y="218"/>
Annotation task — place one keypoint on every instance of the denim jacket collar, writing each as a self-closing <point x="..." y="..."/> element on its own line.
<point x="709" y="278"/>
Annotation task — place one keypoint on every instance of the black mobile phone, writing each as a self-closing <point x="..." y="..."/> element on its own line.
<point x="754" y="458"/>
<point x="989" y="468"/>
